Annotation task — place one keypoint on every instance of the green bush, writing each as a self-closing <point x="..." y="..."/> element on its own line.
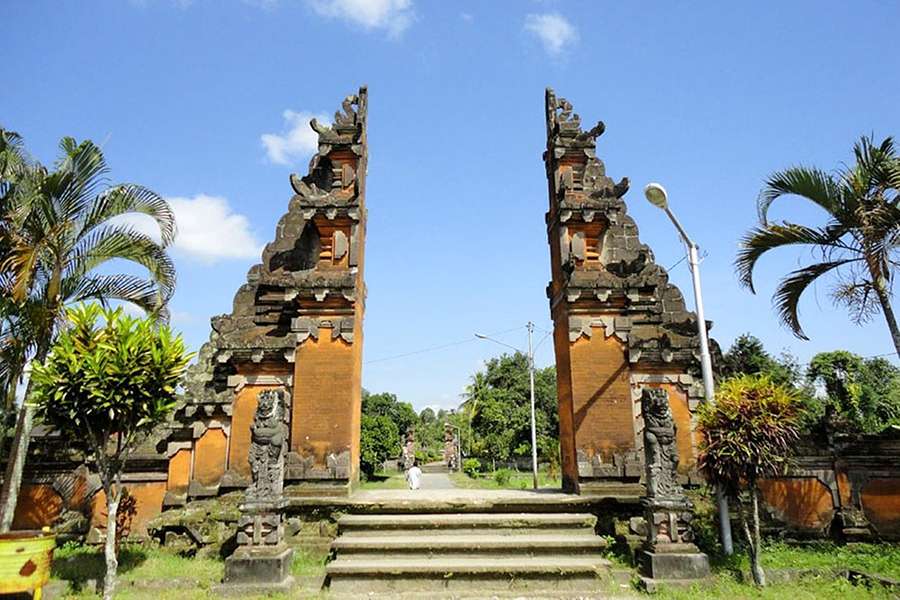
<point x="379" y="440"/>
<point x="502" y="476"/>
<point x="471" y="467"/>
<point x="748" y="435"/>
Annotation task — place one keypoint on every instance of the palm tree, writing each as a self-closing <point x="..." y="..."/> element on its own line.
<point x="58" y="229"/>
<point x="857" y="245"/>
<point x="14" y="336"/>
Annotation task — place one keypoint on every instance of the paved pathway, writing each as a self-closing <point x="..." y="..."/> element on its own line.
<point x="436" y="481"/>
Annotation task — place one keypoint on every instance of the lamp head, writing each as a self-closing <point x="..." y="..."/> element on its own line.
<point x="481" y="336"/>
<point x="657" y="196"/>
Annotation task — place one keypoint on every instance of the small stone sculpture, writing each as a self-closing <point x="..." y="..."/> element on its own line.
<point x="451" y="448"/>
<point x="669" y="552"/>
<point x="262" y="560"/>
<point x="261" y="523"/>
<point x="267" y="446"/>
<point x="660" y="452"/>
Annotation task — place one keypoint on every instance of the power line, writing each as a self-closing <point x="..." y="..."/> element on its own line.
<point x="438" y="347"/>
<point x="684" y="258"/>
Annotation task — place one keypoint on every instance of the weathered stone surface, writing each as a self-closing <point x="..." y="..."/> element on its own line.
<point x="268" y="442"/>
<point x="674" y="565"/>
<point x="254" y="566"/>
<point x="201" y="524"/>
<point x="617" y="319"/>
<point x="669" y="551"/>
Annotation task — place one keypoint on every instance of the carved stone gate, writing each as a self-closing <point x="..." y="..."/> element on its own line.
<point x="618" y="324"/>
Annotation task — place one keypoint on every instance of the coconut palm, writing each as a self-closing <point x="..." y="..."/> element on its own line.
<point x="857" y="245"/>
<point x="58" y="231"/>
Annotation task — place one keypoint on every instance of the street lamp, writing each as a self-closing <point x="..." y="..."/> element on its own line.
<point x="534" y="461"/>
<point x="656" y="195"/>
<point x="458" y="445"/>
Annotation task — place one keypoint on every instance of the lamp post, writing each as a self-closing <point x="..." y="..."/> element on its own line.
<point x="534" y="461"/>
<point x="458" y="445"/>
<point x="656" y="195"/>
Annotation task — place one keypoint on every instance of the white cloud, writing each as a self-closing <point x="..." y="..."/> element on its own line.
<point x="467" y="17"/>
<point x="394" y="16"/>
<point x="554" y="31"/>
<point x="297" y="141"/>
<point x="208" y="229"/>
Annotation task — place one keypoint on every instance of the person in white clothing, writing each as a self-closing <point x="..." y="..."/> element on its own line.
<point x="414" y="476"/>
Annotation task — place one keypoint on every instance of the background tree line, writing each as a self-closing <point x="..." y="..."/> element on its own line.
<point x="841" y="392"/>
<point x="493" y="420"/>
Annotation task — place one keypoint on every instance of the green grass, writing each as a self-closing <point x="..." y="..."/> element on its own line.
<point x="881" y="559"/>
<point x="519" y="480"/>
<point x="308" y="564"/>
<point x="729" y="573"/>
<point x="137" y="562"/>
<point x="147" y="571"/>
<point x="726" y="587"/>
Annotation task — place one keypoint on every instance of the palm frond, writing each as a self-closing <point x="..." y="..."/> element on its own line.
<point x="810" y="183"/>
<point x="83" y="175"/>
<point x="130" y="198"/>
<point x="791" y="288"/>
<point x="122" y="242"/>
<point x="127" y="288"/>
<point x="760" y="240"/>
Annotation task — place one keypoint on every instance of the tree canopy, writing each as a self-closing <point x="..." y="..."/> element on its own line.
<point x="498" y="403"/>
<point x="60" y="229"/>
<point x="856" y="395"/>
<point x="107" y="382"/>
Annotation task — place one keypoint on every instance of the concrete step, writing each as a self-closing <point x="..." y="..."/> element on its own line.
<point x="445" y="523"/>
<point x="466" y="574"/>
<point x="437" y="467"/>
<point x="485" y="543"/>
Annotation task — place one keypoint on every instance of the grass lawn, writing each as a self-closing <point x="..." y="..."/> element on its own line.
<point x="726" y="587"/>
<point x="150" y="572"/>
<point x="878" y="559"/>
<point x="881" y="559"/>
<point x="518" y="480"/>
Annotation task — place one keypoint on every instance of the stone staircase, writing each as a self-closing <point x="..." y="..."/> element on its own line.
<point x="464" y="553"/>
<point x="435" y="467"/>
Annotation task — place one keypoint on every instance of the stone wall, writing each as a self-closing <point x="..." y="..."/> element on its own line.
<point x="847" y="488"/>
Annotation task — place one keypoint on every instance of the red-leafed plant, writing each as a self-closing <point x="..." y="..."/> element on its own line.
<point x="748" y="435"/>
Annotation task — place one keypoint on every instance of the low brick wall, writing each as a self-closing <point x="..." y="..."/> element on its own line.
<point x="846" y="488"/>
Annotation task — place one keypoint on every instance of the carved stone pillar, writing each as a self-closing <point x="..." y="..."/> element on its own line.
<point x="668" y="552"/>
<point x="616" y="317"/>
<point x="262" y="560"/>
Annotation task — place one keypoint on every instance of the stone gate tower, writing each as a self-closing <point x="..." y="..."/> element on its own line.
<point x="619" y="325"/>
<point x="296" y="325"/>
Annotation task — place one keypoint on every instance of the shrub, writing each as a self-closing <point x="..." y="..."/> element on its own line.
<point x="379" y="440"/>
<point x="503" y="476"/>
<point x="108" y="381"/>
<point x="747" y="435"/>
<point x="472" y="467"/>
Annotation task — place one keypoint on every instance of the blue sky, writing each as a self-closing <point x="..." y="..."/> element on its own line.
<point x="707" y="98"/>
